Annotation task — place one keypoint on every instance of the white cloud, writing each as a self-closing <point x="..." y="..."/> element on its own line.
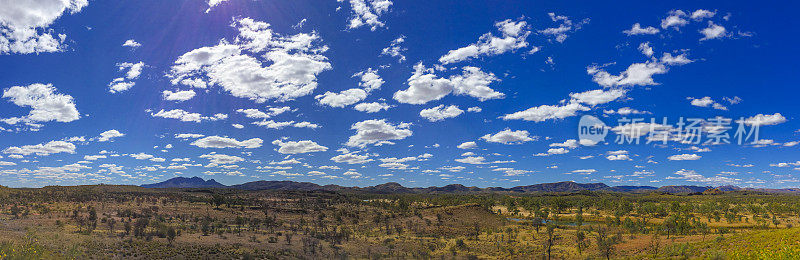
<point x="424" y="86"/>
<point x="440" y="112"/>
<point x="278" y="125"/>
<point x="509" y="137"/>
<point x="545" y="112"/>
<point x="367" y="12"/>
<point x="351" y="158"/>
<point x="372" y="107"/>
<point x="342" y="99"/>
<point x="598" y="96"/>
<point x="569" y="143"/>
<point x="646" y="49"/>
<point x="186" y="116"/>
<point x="257" y="114"/>
<point x="24" y="25"/>
<point x="395" y="50"/>
<point x="706" y="102"/>
<point x="565" y="25"/>
<point x="188" y="136"/>
<point x="124" y="83"/>
<point x="675" y="19"/>
<point x="680" y="59"/>
<point x="109" y="135"/>
<point x="225" y="142"/>
<point x="472" y="160"/>
<point x="369" y="79"/>
<point x="474" y="109"/>
<point x="42" y="149"/>
<point x="178" y="95"/>
<point x="513" y="36"/>
<point x="216" y="158"/>
<point x="292" y="64"/>
<point x="131" y="43"/>
<point x="762" y="120"/>
<point x="213" y="3"/>
<point x="691" y="175"/>
<point x="637" y="29"/>
<point x="713" y="31"/>
<point x="467" y="145"/>
<point x="637" y="74"/>
<point x="625" y="111"/>
<point x="584" y="171"/>
<point x="377" y="132"/>
<point x="618" y="157"/>
<point x="561" y="150"/>
<point x="237" y="126"/>
<point x="46" y="105"/>
<point x="684" y="157"/>
<point x="304" y="146"/>
<point x="701" y="14"/>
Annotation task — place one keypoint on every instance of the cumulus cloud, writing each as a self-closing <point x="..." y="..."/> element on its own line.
<point x="186" y="116"/>
<point x="132" y="72"/>
<point x="598" y="96"/>
<point x="372" y="107"/>
<point x="762" y="120"/>
<point x="684" y="157"/>
<point x="42" y="149"/>
<point x="693" y="176"/>
<point x="131" y="43"/>
<point x="637" y="29"/>
<point x="395" y="50"/>
<point x="676" y="19"/>
<point x="701" y="14"/>
<point x="351" y="158"/>
<point x="625" y="111"/>
<point x="424" y="86"/>
<point x="46" y="105"/>
<point x="342" y="99"/>
<point x="637" y="74"/>
<point x="216" y="158"/>
<point x="178" y="95"/>
<point x="467" y="145"/>
<point x="281" y="124"/>
<point x="565" y="26"/>
<point x="713" y="31"/>
<point x="304" y="146"/>
<point x="546" y="112"/>
<point x="24" y="25"/>
<point x="706" y="102"/>
<point x="508" y="136"/>
<point x="513" y="35"/>
<point x="369" y="79"/>
<point x="188" y="136"/>
<point x="440" y="112"/>
<point x="213" y="3"/>
<point x="367" y="13"/>
<point x="377" y="132"/>
<point x="669" y="59"/>
<point x="225" y="142"/>
<point x="569" y="143"/>
<point x="109" y="135"/>
<point x="259" y="64"/>
<point x="619" y="155"/>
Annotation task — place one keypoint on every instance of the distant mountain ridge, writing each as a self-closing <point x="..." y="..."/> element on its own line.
<point x="183" y="182"/>
<point x="396" y="188"/>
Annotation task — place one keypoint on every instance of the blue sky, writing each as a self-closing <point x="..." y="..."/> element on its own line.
<point x="359" y="93"/>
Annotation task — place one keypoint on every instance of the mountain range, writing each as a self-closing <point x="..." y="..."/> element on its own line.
<point x="183" y="182"/>
<point x="394" y="188"/>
